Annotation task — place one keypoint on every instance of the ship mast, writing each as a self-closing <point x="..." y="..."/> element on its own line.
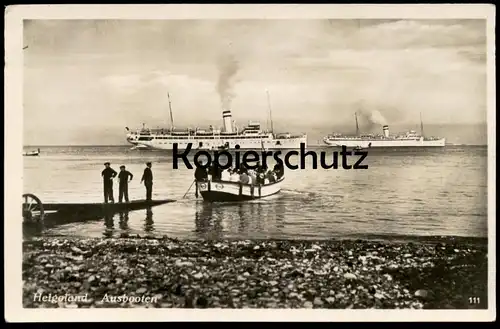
<point x="270" y="111"/>
<point x="171" y="115"/>
<point x="357" y="126"/>
<point x="421" y="125"/>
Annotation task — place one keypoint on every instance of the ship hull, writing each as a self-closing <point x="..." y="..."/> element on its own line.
<point x="219" y="144"/>
<point x="385" y="143"/>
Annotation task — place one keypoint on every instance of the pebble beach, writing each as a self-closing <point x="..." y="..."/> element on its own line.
<point x="437" y="273"/>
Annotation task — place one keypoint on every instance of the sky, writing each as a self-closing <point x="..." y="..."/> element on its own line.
<point x="85" y="80"/>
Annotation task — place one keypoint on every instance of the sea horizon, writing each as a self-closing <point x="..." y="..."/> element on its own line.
<point x="309" y="145"/>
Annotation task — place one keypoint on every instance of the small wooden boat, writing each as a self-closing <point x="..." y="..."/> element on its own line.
<point x="221" y="191"/>
<point x="32" y="153"/>
<point x="139" y="147"/>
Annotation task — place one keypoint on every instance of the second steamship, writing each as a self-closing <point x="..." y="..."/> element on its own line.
<point x="249" y="137"/>
<point x="407" y="139"/>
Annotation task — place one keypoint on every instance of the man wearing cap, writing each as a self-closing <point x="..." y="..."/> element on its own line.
<point x="147" y="178"/>
<point x="107" y="175"/>
<point x="123" y="179"/>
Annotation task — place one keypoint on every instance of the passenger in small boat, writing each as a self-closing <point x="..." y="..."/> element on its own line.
<point x="234" y="177"/>
<point x="252" y="177"/>
<point x="226" y="174"/>
<point x="200" y="174"/>
<point x="261" y="175"/>
<point x="278" y="169"/>
<point x="216" y="172"/>
<point x="244" y="179"/>
<point x="270" y="176"/>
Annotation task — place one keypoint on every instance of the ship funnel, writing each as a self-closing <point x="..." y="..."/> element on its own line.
<point x="385" y="128"/>
<point x="227" y="120"/>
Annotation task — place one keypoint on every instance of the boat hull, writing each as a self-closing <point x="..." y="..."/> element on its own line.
<point x="217" y="144"/>
<point x="385" y="143"/>
<point x="234" y="191"/>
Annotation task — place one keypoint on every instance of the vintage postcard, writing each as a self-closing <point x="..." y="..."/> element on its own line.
<point x="250" y="162"/>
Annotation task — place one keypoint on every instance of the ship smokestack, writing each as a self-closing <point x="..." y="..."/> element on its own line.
<point x="385" y="128"/>
<point x="227" y="120"/>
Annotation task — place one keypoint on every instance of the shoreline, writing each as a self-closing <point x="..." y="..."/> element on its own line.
<point x="436" y="273"/>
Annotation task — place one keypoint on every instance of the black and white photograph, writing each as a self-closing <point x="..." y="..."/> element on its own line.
<point x="250" y="158"/>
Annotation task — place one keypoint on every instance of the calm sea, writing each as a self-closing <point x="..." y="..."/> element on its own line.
<point x="403" y="192"/>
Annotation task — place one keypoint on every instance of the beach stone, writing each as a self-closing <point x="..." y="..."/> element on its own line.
<point x="422" y="293"/>
<point x="141" y="290"/>
<point x="350" y="276"/>
<point x="308" y="305"/>
<point x="77" y="250"/>
<point x="181" y="263"/>
<point x="318" y="302"/>
<point x="330" y="300"/>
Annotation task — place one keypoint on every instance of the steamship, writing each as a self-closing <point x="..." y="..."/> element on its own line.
<point x="408" y="139"/>
<point x="250" y="137"/>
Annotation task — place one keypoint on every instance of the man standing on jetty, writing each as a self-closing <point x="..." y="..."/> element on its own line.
<point x="107" y="175"/>
<point x="123" y="179"/>
<point x="147" y="178"/>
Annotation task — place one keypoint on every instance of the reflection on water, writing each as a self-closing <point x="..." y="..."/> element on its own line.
<point x="109" y="225"/>
<point x="214" y="220"/>
<point x="207" y="225"/>
<point x="148" y="223"/>
<point x="123" y="221"/>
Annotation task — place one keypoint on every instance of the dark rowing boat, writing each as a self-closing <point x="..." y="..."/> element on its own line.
<point x="86" y="208"/>
<point x="35" y="211"/>
<point x="222" y="191"/>
<point x="32" y="153"/>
